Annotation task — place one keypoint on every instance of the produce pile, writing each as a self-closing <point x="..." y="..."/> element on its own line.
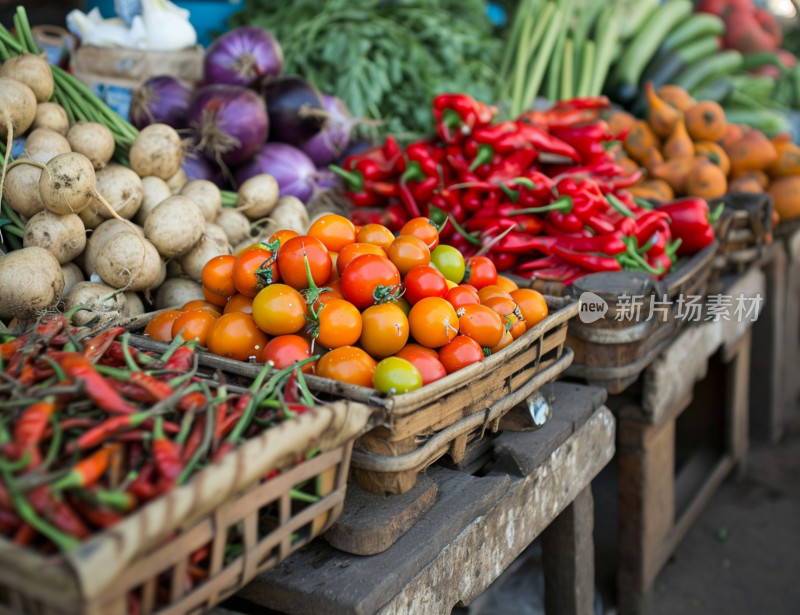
<point x="690" y="148"/>
<point x="393" y="313"/>
<point x="249" y="118"/>
<point x="544" y="195"/>
<point x="93" y="429"/>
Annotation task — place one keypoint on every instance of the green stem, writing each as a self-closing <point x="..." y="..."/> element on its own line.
<point x="714" y="215"/>
<point x="55" y="444"/>
<point x="619" y="206"/>
<point x="563" y="204"/>
<point x="463" y="232"/>
<point x="302" y="496"/>
<point x="125" y="339"/>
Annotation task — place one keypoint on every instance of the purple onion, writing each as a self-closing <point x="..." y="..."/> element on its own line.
<point x="229" y="122"/>
<point x="330" y="142"/>
<point x="245" y="56"/>
<point x="160" y="100"/>
<point x="327" y="179"/>
<point x="294" y="171"/>
<point x="197" y="166"/>
<point x="295" y="109"/>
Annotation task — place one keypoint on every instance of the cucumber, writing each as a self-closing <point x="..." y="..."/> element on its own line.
<point x="641" y="49"/>
<point x="723" y="63"/>
<point x="636" y="13"/>
<point x="753" y="61"/>
<point x="606" y="41"/>
<point x="697" y="26"/>
<point x="666" y="66"/>
<point x="767" y="121"/>
<point x="718" y="89"/>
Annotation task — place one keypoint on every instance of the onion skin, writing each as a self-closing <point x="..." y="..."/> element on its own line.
<point x="197" y="166"/>
<point x="294" y="171"/>
<point x="295" y="109"/>
<point x="229" y="121"/>
<point x="329" y="143"/>
<point x="246" y="56"/>
<point x="160" y="100"/>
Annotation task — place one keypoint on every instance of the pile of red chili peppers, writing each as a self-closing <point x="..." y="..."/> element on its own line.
<point x="91" y="429"/>
<point x="543" y="195"/>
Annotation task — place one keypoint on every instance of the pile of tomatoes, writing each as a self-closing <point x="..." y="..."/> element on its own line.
<point x="393" y="313"/>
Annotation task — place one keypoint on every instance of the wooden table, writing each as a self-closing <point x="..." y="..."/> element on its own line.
<point x="791" y="334"/>
<point x="705" y="370"/>
<point x="539" y="485"/>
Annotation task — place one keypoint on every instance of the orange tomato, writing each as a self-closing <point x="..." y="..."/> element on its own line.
<point x="347" y="364"/>
<point x="160" y="326"/>
<point x="292" y="261"/>
<point x="506" y="284"/>
<point x="424" y="229"/>
<point x="426" y="360"/>
<point x="334" y="231"/>
<point x="217" y="275"/>
<point x="407" y="252"/>
<point x="194" y="325"/>
<point x="490" y="291"/>
<point x="433" y="322"/>
<point x="198" y="304"/>
<point x="339" y="324"/>
<point x="460" y="295"/>
<point x="376" y="235"/>
<point x="279" y="309"/>
<point x="214" y="298"/>
<point x="481" y="323"/>
<point x="236" y="335"/>
<point x="532" y="305"/>
<point x="253" y="270"/>
<point x="239" y="303"/>
<point x="384" y="330"/>
<point x="282" y="236"/>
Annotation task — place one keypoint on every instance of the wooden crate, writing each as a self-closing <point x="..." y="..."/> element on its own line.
<point x="743" y="230"/>
<point x="223" y="505"/>
<point x="612" y="352"/>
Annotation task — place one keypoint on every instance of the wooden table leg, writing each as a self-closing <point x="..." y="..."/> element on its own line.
<point x="737" y="372"/>
<point x="568" y="557"/>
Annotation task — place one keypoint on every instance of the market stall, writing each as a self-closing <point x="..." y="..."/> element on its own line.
<point x="314" y="289"/>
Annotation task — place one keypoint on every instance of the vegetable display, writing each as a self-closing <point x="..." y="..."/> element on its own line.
<point x="93" y="429"/>
<point x="391" y="313"/>
<point x="544" y="195"/>
<point x="690" y="148"/>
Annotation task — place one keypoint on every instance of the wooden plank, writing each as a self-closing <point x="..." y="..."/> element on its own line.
<point x="370" y="524"/>
<point x="568" y="559"/>
<point x="474" y="531"/>
<point x="737" y="373"/>
<point x="791" y="324"/>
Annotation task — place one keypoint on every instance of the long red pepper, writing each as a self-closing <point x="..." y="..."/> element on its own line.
<point x="78" y="368"/>
<point x="87" y="471"/>
<point x="166" y="453"/>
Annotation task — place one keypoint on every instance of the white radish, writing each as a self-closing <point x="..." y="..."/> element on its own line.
<point x="43" y="144"/>
<point x="102" y="301"/>
<point x="177" y="181"/>
<point x="22" y="190"/>
<point x="133" y="305"/>
<point x="63" y="236"/>
<point x="158" y="151"/>
<point x="213" y="243"/>
<point x="235" y="224"/>
<point x="93" y="140"/>
<point x="258" y="196"/>
<point x="72" y="275"/>
<point x="206" y="196"/>
<point x="17" y="112"/>
<point x="155" y="190"/>
<point x="51" y="115"/>
<point x="123" y="263"/>
<point x="177" y="292"/>
<point x="33" y="71"/>
<point x="121" y="188"/>
<point x="175" y="226"/>
<point x="31" y="281"/>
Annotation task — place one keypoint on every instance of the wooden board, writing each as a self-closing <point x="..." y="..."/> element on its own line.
<point x="477" y="527"/>
<point x="370" y="524"/>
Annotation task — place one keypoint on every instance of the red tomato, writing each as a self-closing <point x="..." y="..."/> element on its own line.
<point x="424" y="229"/>
<point x="334" y="231"/>
<point x="424" y="281"/>
<point x="482" y="272"/>
<point x="433" y="322"/>
<point x="217" y="275"/>
<point x="355" y="250"/>
<point x="236" y="335"/>
<point x="367" y="277"/>
<point x="407" y="252"/>
<point x="347" y="364"/>
<point x="160" y="326"/>
<point x="286" y="350"/>
<point x="292" y="265"/>
<point x="339" y="324"/>
<point x="460" y="295"/>
<point x="425" y="360"/>
<point x="253" y="270"/>
<point x="459" y="353"/>
<point x="194" y="325"/>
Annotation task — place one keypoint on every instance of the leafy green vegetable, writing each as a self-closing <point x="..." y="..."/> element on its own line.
<point x="386" y="59"/>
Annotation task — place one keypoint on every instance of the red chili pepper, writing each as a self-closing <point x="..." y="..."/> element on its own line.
<point x="100" y="517"/>
<point x="507" y="137"/>
<point x="513" y="165"/>
<point x="422" y="191"/>
<point x="231" y="420"/>
<point x="130" y="391"/>
<point x="142" y="487"/>
<point x="378" y="163"/>
<point x="502" y="260"/>
<point x="540" y="263"/>
<point x="191" y="402"/>
<point x="589" y="262"/>
<point x="78" y="368"/>
<point x="44" y="333"/>
<point x="32" y="423"/>
<point x="24" y="535"/>
<point x="649" y="223"/>
<point x="588" y="102"/>
<point x="57" y="512"/>
<point x="194" y="439"/>
<point x="87" y="471"/>
<point x="181" y="359"/>
<point x="9" y="521"/>
<point x="407" y="199"/>
<point x="555" y="118"/>
<point x="16" y="451"/>
<point x="166" y="453"/>
<point x="458" y="115"/>
<point x="96" y="347"/>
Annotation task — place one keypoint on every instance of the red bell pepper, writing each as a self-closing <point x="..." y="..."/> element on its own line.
<point x="458" y="115"/>
<point x="690" y="221"/>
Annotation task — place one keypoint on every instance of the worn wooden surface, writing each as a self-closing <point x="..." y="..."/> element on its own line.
<point x="791" y="320"/>
<point x="766" y="371"/>
<point x="568" y="558"/>
<point x="370" y="523"/>
<point x="671" y="377"/>
<point x="476" y="528"/>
